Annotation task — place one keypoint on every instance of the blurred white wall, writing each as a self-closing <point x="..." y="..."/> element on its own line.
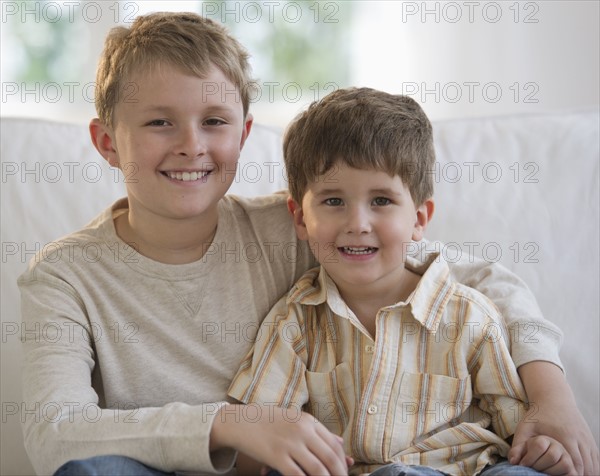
<point x="471" y="58"/>
<point x="481" y="58"/>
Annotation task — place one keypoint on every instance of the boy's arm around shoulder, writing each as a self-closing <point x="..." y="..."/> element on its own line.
<point x="533" y="338"/>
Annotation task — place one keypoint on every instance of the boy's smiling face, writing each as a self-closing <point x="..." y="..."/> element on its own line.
<point x="177" y="138"/>
<point x="358" y="224"/>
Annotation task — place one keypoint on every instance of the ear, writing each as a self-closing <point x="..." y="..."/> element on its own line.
<point x="103" y="140"/>
<point x="424" y="215"/>
<point x="247" y="127"/>
<point x="295" y="210"/>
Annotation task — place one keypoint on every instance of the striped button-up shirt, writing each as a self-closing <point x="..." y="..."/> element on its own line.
<point x="435" y="387"/>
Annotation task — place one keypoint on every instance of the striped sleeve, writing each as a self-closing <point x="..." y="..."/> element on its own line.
<point x="495" y="380"/>
<point x="273" y="372"/>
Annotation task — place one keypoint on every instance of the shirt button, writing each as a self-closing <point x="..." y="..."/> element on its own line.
<point x="372" y="409"/>
<point x="369" y="349"/>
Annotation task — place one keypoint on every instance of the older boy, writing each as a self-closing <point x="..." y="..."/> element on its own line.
<point x="136" y="373"/>
<point x="407" y="365"/>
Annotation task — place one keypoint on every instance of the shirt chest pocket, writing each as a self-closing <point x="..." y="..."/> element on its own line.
<point x="430" y="401"/>
<point x="331" y="397"/>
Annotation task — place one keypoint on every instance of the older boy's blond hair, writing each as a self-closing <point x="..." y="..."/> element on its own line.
<point x="185" y="41"/>
<point x="364" y="129"/>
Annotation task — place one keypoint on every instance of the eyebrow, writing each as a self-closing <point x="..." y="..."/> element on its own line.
<point x="158" y="108"/>
<point x="387" y="191"/>
<point x="375" y="191"/>
<point x="328" y="191"/>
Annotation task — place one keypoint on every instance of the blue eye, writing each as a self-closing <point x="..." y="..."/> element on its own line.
<point x="213" y="121"/>
<point x="333" y="202"/>
<point x="381" y="201"/>
<point x="158" y="122"/>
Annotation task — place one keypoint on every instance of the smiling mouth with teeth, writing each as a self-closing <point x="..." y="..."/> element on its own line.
<point x="351" y="250"/>
<point x="188" y="176"/>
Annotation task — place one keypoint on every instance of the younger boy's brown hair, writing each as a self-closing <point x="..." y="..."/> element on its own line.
<point x="365" y="129"/>
<point x="185" y="41"/>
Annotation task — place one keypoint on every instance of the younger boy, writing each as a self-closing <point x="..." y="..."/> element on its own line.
<point x="411" y="368"/>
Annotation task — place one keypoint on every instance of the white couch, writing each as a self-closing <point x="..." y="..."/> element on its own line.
<point x="519" y="189"/>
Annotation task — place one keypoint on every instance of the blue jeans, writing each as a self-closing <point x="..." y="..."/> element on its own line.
<point x="123" y="466"/>
<point x="399" y="469"/>
<point x="108" y="466"/>
<point x="502" y="468"/>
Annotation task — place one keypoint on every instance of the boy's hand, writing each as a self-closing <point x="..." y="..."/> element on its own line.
<point x="545" y="455"/>
<point x="553" y="413"/>
<point x="564" y="426"/>
<point x="281" y="439"/>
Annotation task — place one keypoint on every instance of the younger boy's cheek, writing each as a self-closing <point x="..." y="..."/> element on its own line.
<point x="324" y="251"/>
<point x="314" y="248"/>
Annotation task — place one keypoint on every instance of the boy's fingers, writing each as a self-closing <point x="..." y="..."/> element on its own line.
<point x="516" y="453"/>
<point x="330" y="451"/>
<point x="317" y="460"/>
<point x="576" y="458"/>
<point x="562" y="467"/>
<point x="534" y="449"/>
<point x="548" y="456"/>
<point x="585" y="459"/>
<point x="308" y="463"/>
<point x="594" y="461"/>
<point x="554" y="458"/>
<point x="589" y="461"/>
<point x="523" y="434"/>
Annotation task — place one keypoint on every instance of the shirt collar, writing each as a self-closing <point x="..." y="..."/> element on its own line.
<point x="429" y="299"/>
<point x="311" y="288"/>
<point x="426" y="303"/>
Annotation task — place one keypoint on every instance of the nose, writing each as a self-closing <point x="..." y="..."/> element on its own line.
<point x="191" y="142"/>
<point x="358" y="220"/>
